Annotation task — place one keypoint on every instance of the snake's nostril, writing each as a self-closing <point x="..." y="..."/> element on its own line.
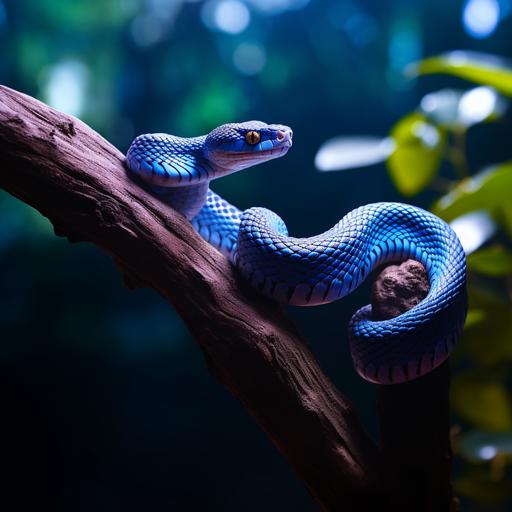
<point x="284" y="135"/>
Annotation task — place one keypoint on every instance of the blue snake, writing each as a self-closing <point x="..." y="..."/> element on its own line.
<point x="322" y="268"/>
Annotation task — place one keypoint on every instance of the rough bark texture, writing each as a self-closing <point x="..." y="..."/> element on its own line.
<point x="398" y="288"/>
<point x="415" y="416"/>
<point x="74" y="177"/>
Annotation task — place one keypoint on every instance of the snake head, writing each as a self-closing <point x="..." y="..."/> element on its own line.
<point x="236" y="146"/>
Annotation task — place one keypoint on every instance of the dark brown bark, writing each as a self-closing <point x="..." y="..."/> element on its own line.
<point x="74" y="177"/>
<point x="414" y="416"/>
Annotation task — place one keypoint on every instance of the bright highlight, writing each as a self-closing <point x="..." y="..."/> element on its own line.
<point x="481" y="17"/>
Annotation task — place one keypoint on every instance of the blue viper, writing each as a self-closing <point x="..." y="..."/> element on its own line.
<point x="322" y="268"/>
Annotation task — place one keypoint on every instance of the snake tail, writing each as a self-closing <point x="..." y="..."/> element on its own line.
<point x="327" y="267"/>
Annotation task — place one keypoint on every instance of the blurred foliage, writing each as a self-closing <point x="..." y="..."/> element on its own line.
<point x="431" y="151"/>
<point x="488" y="189"/>
<point x="482" y="399"/>
<point x="494" y="261"/>
<point x="481" y="392"/>
<point x="477" y="67"/>
<point x="488" y="331"/>
<point x="478" y="484"/>
<point x="419" y="145"/>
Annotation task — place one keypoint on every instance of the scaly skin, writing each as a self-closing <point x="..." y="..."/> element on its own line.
<point x="319" y="269"/>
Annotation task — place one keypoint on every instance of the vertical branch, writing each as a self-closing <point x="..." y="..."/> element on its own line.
<point x="415" y="416"/>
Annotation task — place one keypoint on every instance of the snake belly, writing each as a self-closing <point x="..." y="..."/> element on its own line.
<point x="322" y="268"/>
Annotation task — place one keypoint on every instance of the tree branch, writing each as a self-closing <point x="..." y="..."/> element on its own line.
<point x="414" y="416"/>
<point x="74" y="177"/>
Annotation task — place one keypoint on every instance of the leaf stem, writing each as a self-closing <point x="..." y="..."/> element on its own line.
<point x="456" y="154"/>
<point x="441" y="185"/>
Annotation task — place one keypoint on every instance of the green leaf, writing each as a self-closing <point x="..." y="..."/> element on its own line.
<point x="479" y="485"/>
<point x="482" y="399"/>
<point x="474" y="317"/>
<point x="419" y="147"/>
<point x="488" y="329"/>
<point x="489" y="189"/>
<point x="489" y="342"/>
<point x="480" y="68"/>
<point x="495" y="261"/>
<point x="503" y="216"/>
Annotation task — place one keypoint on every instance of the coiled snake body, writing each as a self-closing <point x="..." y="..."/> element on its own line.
<point x="322" y="268"/>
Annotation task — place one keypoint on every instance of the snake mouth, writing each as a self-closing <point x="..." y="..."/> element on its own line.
<point x="256" y="155"/>
<point x="232" y="161"/>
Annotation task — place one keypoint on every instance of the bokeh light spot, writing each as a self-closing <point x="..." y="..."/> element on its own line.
<point x="64" y="87"/>
<point x="487" y="452"/>
<point x="427" y="133"/>
<point x="230" y="16"/>
<point x="473" y="229"/>
<point x="477" y="105"/>
<point x="147" y="30"/>
<point x="249" y="58"/>
<point x="481" y="17"/>
<point x="344" y="152"/>
<point x="442" y="106"/>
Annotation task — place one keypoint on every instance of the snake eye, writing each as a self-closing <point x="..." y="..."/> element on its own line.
<point x="252" y="137"/>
